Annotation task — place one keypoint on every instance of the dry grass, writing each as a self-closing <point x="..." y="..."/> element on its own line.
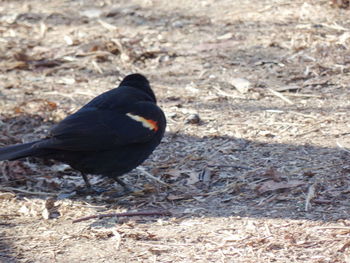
<point x="261" y="176"/>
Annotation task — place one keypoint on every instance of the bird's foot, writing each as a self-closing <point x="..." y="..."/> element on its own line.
<point x="113" y="194"/>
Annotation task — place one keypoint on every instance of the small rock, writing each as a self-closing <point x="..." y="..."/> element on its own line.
<point x="207" y="65"/>
<point x="178" y="24"/>
<point x="91" y="13"/>
<point x="171" y="115"/>
<point x="225" y="36"/>
<point x="193" y="119"/>
<point x="242" y="85"/>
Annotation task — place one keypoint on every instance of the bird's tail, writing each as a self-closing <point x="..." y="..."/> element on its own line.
<point x="18" y="151"/>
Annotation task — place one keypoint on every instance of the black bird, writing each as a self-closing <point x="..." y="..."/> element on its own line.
<point x="111" y="135"/>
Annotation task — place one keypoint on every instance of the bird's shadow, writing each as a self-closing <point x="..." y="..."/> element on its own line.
<point x="210" y="176"/>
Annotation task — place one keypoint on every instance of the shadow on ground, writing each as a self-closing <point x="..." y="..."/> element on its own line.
<point x="7" y="254"/>
<point x="213" y="176"/>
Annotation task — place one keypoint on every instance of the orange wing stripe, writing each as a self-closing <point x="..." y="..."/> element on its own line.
<point x="147" y="123"/>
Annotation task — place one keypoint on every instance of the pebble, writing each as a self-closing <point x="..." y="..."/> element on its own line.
<point x="193" y="119"/>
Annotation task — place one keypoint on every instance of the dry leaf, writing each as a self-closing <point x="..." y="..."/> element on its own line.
<point x="172" y="174"/>
<point x="272" y="173"/>
<point x="174" y="197"/>
<point x="271" y="185"/>
<point x="7" y="196"/>
<point x="193" y="177"/>
<point x="48" y="63"/>
<point x="24" y="210"/>
<point x="205" y="175"/>
<point x="50" y="209"/>
<point x="16" y="65"/>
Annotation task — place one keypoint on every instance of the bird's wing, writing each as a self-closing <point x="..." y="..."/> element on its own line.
<point x="94" y="129"/>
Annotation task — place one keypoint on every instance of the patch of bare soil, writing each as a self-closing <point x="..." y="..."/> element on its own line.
<point x="255" y="163"/>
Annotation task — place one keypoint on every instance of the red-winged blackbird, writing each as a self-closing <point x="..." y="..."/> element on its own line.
<point x="111" y="135"/>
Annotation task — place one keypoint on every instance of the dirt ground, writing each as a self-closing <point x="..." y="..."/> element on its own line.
<point x="254" y="166"/>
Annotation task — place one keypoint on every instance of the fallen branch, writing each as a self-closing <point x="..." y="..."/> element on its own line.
<point x="145" y="213"/>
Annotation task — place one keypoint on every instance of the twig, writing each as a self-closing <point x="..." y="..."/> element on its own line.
<point x="310" y="196"/>
<point x="8" y="215"/>
<point x="279" y="95"/>
<point x="151" y="176"/>
<point x="25" y="191"/>
<point x="302" y="95"/>
<point x="69" y="96"/>
<point x="225" y="94"/>
<point x="322" y="202"/>
<point x="268" y="199"/>
<point x="107" y="26"/>
<point x="332" y="227"/>
<point x="304" y="115"/>
<point x="275" y="111"/>
<point x="335" y="26"/>
<point x="97" y="67"/>
<point x="145" y="213"/>
<point x="342" y="147"/>
<point x="230" y="166"/>
<point x="162" y="245"/>
<point x="307" y="132"/>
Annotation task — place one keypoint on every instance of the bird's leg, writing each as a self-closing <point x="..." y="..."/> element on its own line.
<point x="94" y="190"/>
<point x="126" y="188"/>
<point x="90" y="189"/>
<point x="124" y="185"/>
<point x="86" y="180"/>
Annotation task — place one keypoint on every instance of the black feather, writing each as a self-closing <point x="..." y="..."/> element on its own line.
<point x="18" y="151"/>
<point x="101" y="137"/>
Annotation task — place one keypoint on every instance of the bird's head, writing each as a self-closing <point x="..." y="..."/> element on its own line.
<point x="140" y="82"/>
